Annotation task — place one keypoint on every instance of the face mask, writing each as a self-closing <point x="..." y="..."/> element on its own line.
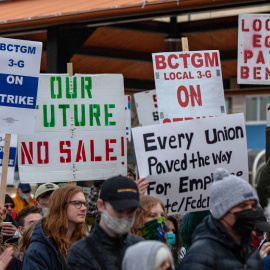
<point x="23" y="196"/>
<point x="244" y="222"/>
<point x="171" y="238"/>
<point x="117" y="225"/>
<point x="154" y="229"/>
<point x="44" y="210"/>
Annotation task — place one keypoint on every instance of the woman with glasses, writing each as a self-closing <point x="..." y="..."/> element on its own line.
<point x="62" y="226"/>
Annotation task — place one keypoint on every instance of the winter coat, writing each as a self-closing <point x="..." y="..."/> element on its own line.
<point x="20" y="203"/>
<point x="214" y="248"/>
<point x="99" y="251"/>
<point x="42" y="253"/>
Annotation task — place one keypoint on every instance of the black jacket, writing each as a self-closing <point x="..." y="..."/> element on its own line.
<point x="99" y="251"/>
<point x="214" y="248"/>
<point x="42" y="253"/>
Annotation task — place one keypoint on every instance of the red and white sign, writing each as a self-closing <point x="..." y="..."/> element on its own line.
<point x="253" y="49"/>
<point x="189" y="85"/>
<point x="147" y="108"/>
<point x="80" y="131"/>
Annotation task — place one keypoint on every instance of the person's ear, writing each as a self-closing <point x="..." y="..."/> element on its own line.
<point x="100" y="205"/>
<point x="20" y="230"/>
<point x="35" y="203"/>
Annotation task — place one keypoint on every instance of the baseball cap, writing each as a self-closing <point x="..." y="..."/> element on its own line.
<point x="261" y="221"/>
<point x="121" y="192"/>
<point x="24" y="187"/>
<point x="44" y="189"/>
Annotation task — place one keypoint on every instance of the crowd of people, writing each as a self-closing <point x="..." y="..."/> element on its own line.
<point x="118" y="227"/>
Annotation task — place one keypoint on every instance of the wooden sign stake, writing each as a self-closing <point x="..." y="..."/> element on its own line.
<point x="185" y="44"/>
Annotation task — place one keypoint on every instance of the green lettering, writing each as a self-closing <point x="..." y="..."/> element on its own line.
<point x="45" y="119"/>
<point x="59" y="94"/>
<point x="107" y="114"/>
<point x="64" y="107"/>
<point x="86" y="86"/>
<point x="82" y="122"/>
<point x="93" y="114"/>
<point x="74" y="93"/>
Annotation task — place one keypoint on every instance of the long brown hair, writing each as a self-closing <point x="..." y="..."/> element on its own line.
<point x="55" y="224"/>
<point x="147" y="202"/>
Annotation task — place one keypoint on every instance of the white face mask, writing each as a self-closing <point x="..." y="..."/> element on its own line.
<point x="117" y="225"/>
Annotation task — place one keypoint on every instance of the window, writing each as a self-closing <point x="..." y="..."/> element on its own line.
<point x="255" y="108"/>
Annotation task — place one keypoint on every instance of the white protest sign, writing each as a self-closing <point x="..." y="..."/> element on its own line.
<point x="253" y="49"/>
<point x="189" y="85"/>
<point x="147" y="108"/>
<point x="19" y="72"/>
<point x="12" y="156"/>
<point x="178" y="159"/>
<point x="128" y="117"/>
<point x="79" y="132"/>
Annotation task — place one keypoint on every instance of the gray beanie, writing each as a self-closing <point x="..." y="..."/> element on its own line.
<point x="228" y="191"/>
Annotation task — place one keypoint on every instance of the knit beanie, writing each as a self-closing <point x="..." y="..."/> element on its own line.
<point x="227" y="191"/>
<point x="8" y="199"/>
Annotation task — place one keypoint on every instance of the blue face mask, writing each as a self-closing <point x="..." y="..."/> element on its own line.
<point x="171" y="238"/>
<point x="23" y="196"/>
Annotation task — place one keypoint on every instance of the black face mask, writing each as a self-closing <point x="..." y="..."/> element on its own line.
<point x="244" y="222"/>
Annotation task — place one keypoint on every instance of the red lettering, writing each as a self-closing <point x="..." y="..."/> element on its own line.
<point x="65" y="151"/>
<point x="260" y="58"/>
<point x="184" y="56"/>
<point x="257" y="25"/>
<point x="179" y="90"/>
<point x="199" y="62"/>
<point x="110" y="150"/>
<point x="267" y="73"/>
<point x="212" y="61"/>
<point x="165" y="77"/>
<point x="247" y="55"/>
<point x="257" y="41"/>
<point x="243" y="27"/>
<point x="172" y="76"/>
<point x="122" y="146"/>
<point x="178" y="75"/>
<point x="257" y="71"/>
<point x="27" y="153"/>
<point x="80" y="152"/>
<point x="39" y="159"/>
<point x="177" y="119"/>
<point x="170" y="61"/>
<point x="160" y="62"/>
<point x="195" y="95"/>
<point x="267" y="25"/>
<point x="244" y="72"/>
<point x="92" y="151"/>
<point x="155" y="100"/>
<point x="267" y="42"/>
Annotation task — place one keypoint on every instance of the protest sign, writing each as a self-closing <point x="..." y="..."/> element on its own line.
<point x="12" y="156"/>
<point x="19" y="72"/>
<point x="128" y="117"/>
<point x="178" y="159"/>
<point x="80" y="130"/>
<point x="253" y="49"/>
<point x="268" y="114"/>
<point x="189" y="85"/>
<point x="147" y="108"/>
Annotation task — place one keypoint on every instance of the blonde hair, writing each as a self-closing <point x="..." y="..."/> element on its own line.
<point x="25" y="240"/>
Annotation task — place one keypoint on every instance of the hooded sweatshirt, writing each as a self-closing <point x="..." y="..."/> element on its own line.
<point x="142" y="255"/>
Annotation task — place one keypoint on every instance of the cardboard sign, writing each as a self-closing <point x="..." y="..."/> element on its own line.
<point x="189" y="85"/>
<point x="12" y="156"/>
<point x="128" y="117"/>
<point x="80" y="131"/>
<point x="178" y="159"/>
<point x="253" y="49"/>
<point x="147" y="108"/>
<point x="19" y="72"/>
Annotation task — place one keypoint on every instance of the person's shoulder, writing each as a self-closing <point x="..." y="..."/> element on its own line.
<point x="80" y="245"/>
<point x="133" y="239"/>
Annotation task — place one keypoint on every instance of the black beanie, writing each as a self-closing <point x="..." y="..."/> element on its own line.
<point x="8" y="199"/>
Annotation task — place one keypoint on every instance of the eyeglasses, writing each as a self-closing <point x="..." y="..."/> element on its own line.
<point x="77" y="204"/>
<point x="11" y="206"/>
